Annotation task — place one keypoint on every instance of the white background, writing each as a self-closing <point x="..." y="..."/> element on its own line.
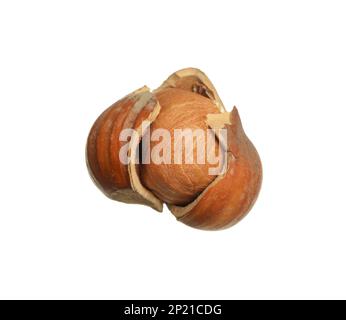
<point x="282" y="63"/>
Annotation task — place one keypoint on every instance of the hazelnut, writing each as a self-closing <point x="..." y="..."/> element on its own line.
<point x="187" y="100"/>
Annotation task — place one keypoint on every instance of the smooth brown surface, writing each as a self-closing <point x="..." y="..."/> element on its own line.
<point x="103" y="146"/>
<point x="229" y="197"/>
<point x="106" y="169"/>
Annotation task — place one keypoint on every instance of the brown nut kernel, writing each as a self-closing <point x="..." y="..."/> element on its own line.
<point x="186" y="100"/>
<point x="180" y="183"/>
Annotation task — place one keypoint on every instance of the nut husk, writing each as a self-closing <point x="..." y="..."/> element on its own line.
<point x="116" y="180"/>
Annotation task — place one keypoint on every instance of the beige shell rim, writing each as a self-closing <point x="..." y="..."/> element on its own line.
<point x="147" y="197"/>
